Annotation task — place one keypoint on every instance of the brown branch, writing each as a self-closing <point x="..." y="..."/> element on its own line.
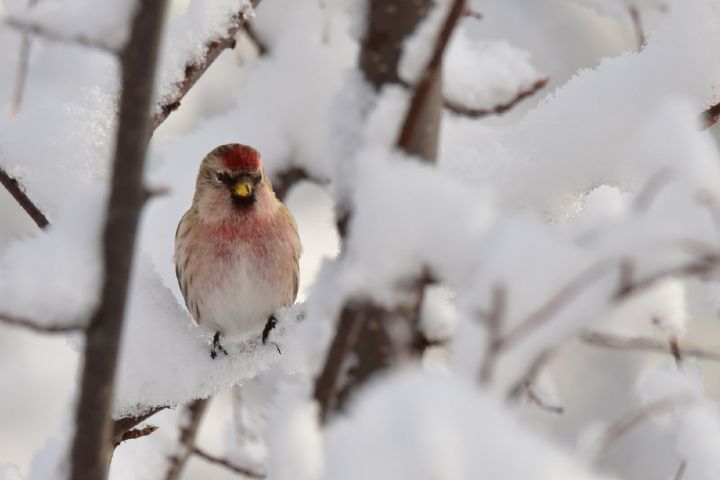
<point x="493" y="321"/>
<point x="21" y="76"/>
<point x="252" y="35"/>
<point x="645" y="344"/>
<point x="637" y="26"/>
<point x="18" y="193"/>
<point x="632" y="419"/>
<point x="136" y="433"/>
<point x="476" y="113"/>
<point x="352" y="318"/>
<point x="681" y="470"/>
<point x="548" y="407"/>
<point x="420" y="131"/>
<point x="710" y="116"/>
<point x="125" y="424"/>
<point x="227" y="464"/>
<point x="286" y="179"/>
<point x="92" y="444"/>
<point x="188" y="433"/>
<point x="39" y="328"/>
<point x="195" y="70"/>
<point x="44" y="31"/>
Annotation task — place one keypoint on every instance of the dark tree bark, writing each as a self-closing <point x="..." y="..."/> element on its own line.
<point x="92" y="445"/>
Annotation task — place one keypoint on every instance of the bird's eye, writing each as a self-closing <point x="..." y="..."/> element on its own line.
<point x="217" y="178"/>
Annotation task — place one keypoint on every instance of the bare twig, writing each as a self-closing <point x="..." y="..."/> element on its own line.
<point x="637" y="26"/>
<point x="44" y="31"/>
<point x="470" y="13"/>
<point x="227" y="464"/>
<point x="125" y="424"/>
<point x="194" y="413"/>
<point x="195" y="70"/>
<point x="92" y="445"/>
<point x="651" y="189"/>
<point x="632" y="419"/>
<point x="554" y="304"/>
<point x="493" y="320"/>
<point x="39" y="328"/>
<point x="252" y="35"/>
<point x="548" y="407"/>
<point x="419" y="133"/>
<point x="681" y="470"/>
<point x="286" y="179"/>
<point x="645" y="344"/>
<point x="476" y="113"/>
<point x="518" y="388"/>
<point x="21" y="75"/>
<point x="18" y="193"/>
<point x="136" y="433"/>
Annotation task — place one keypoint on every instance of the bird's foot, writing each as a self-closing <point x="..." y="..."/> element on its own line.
<point x="216" y="347"/>
<point x="271" y="323"/>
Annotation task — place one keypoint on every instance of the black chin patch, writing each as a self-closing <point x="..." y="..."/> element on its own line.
<point x="243" y="202"/>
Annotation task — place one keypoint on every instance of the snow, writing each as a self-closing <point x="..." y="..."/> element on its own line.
<point x="107" y="24"/>
<point x="444" y="424"/>
<point x="9" y="472"/>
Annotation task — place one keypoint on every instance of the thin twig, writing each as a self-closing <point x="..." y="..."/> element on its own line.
<point x="123" y="425"/>
<point x="637" y="26"/>
<point x="39" y="328"/>
<point x="252" y="35"/>
<point x="548" y="407"/>
<point x="632" y="419"/>
<point x="21" y="75"/>
<point x="681" y="470"/>
<point x="227" y="464"/>
<point x="476" y="113"/>
<point x="13" y="186"/>
<point x="493" y="321"/>
<point x="645" y="344"/>
<point x="136" y="433"/>
<point x="44" y="31"/>
<point x="191" y="418"/>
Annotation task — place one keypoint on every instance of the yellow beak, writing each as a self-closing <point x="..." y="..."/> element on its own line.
<point x="243" y="188"/>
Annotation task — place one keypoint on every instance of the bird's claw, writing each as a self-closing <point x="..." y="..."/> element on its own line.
<point x="271" y="323"/>
<point x="216" y="347"/>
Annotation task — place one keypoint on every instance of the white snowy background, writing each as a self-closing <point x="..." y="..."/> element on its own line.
<point x="528" y="201"/>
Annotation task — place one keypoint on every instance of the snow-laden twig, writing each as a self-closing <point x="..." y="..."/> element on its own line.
<point x="124" y="425"/>
<point x="194" y="69"/>
<point x="646" y="344"/>
<point x="38" y="327"/>
<point x="92" y="446"/>
<point x="475" y="113"/>
<point x="227" y="464"/>
<point x="136" y="433"/>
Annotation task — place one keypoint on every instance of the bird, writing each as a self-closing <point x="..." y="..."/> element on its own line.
<point x="237" y="249"/>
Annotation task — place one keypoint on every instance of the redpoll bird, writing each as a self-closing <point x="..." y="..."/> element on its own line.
<point x="237" y="248"/>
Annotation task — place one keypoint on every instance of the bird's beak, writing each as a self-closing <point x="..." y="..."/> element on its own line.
<point x="243" y="187"/>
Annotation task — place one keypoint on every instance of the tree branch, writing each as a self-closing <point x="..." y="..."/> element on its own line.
<point x="136" y="433"/>
<point x="420" y="131"/>
<point x="645" y="344"/>
<point x="18" y="193"/>
<point x="195" y="70"/>
<point x="195" y="412"/>
<point x="711" y="116"/>
<point x="43" y="31"/>
<point x="125" y="424"/>
<point x="476" y="113"/>
<point x="92" y="445"/>
<point x="39" y="328"/>
<point x="226" y="463"/>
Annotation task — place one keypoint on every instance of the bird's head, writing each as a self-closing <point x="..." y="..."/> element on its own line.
<point x="231" y="177"/>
